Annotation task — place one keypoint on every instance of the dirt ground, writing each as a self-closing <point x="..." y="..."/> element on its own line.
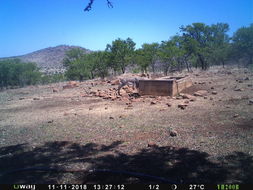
<point x="210" y="141"/>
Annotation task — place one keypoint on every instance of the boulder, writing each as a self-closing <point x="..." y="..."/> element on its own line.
<point x="186" y="102"/>
<point x="173" y="133"/>
<point x="55" y="90"/>
<point x="115" y="82"/>
<point x="152" y="144"/>
<point x="182" y="106"/>
<point x="188" y="96"/>
<point x="201" y="93"/>
<point x="236" y="115"/>
<point x="214" y="92"/>
<point x="169" y="104"/>
<point x="238" y="89"/>
<point x="153" y="102"/>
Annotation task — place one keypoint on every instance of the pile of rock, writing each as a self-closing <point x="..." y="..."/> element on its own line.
<point x="71" y="84"/>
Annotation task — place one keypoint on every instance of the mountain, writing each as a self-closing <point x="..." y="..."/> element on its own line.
<point x="49" y="60"/>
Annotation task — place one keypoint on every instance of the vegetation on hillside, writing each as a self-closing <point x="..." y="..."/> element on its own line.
<point x="15" y="73"/>
<point x="197" y="45"/>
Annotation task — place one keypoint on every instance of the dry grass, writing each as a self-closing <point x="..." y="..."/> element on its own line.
<point x="65" y="129"/>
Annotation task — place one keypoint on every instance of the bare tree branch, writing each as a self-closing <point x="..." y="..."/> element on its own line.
<point x="109" y="3"/>
<point x="89" y="6"/>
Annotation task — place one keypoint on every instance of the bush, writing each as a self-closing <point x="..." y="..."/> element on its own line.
<point x="13" y="72"/>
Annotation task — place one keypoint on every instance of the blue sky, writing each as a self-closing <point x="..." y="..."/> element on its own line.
<point x="30" y="25"/>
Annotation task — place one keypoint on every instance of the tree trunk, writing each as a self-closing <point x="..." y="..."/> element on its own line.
<point x="250" y="59"/>
<point x="153" y="67"/>
<point x="203" y="64"/>
<point x="223" y="63"/>
<point x="187" y="66"/>
<point x="123" y="70"/>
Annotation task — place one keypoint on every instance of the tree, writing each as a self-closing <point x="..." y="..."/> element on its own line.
<point x="79" y="70"/>
<point x="72" y="55"/>
<point x="220" y="46"/>
<point x="141" y="60"/>
<point x="89" y="5"/>
<point x="168" y="53"/>
<point x="121" y="53"/>
<point x="13" y="72"/>
<point x="202" y="41"/>
<point x="150" y="51"/>
<point x="100" y="63"/>
<point x="243" y="43"/>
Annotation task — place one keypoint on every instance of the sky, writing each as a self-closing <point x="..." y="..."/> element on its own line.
<point x="30" y="25"/>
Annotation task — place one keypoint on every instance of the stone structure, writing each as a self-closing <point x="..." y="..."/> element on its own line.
<point x="166" y="86"/>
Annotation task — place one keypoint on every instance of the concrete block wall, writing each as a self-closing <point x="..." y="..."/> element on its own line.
<point x="163" y="87"/>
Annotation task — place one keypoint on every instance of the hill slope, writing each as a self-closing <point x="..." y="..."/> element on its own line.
<point x="50" y="59"/>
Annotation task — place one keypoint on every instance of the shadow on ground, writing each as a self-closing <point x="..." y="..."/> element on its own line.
<point x="178" y="165"/>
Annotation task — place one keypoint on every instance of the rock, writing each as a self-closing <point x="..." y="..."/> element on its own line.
<point x="205" y="97"/>
<point x="115" y="82"/>
<point x="182" y="106"/>
<point x="55" y="90"/>
<point x="251" y="101"/>
<point x="186" y="102"/>
<point x="190" y="97"/>
<point x="51" y="121"/>
<point x="214" y="92"/>
<point x="250" y="85"/>
<point x="173" y="133"/>
<point x="153" y="102"/>
<point x="201" y="93"/>
<point x="236" y="115"/>
<point x="21" y="98"/>
<point x="67" y="86"/>
<point x="247" y="78"/>
<point x="169" y="104"/>
<point x="152" y="144"/>
<point x="224" y="88"/>
<point x="71" y="84"/>
<point x="106" y="108"/>
<point x="111" y="117"/>
<point x="90" y="108"/>
<point x="36" y="98"/>
<point x="239" y="89"/>
<point x="179" y="97"/>
<point x="211" y="98"/>
<point x="202" y="82"/>
<point x="212" y="87"/>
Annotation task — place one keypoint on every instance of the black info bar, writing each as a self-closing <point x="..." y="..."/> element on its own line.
<point x="125" y="187"/>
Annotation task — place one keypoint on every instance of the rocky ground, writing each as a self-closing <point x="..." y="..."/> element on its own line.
<point x="204" y="135"/>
